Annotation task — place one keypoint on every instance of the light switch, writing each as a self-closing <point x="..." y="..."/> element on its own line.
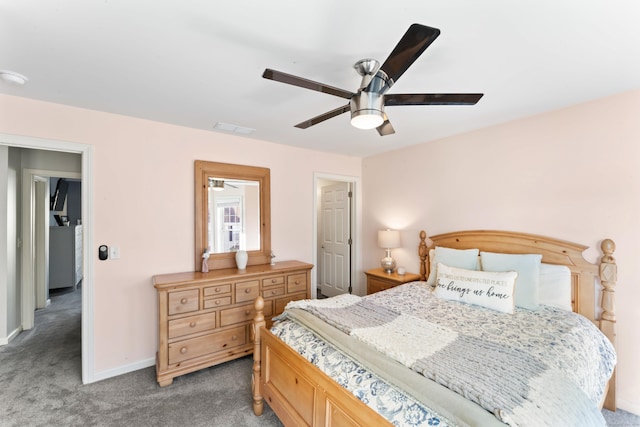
<point x="114" y="252"/>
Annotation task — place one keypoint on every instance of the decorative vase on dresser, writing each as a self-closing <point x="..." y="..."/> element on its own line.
<point x="205" y="318"/>
<point x="241" y="259"/>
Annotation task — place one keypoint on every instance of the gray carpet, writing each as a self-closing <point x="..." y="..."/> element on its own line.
<point x="40" y="385"/>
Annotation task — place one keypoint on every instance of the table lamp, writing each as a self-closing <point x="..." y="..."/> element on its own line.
<point x="388" y="239"/>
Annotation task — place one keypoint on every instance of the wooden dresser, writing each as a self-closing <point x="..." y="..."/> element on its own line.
<point x="205" y="318"/>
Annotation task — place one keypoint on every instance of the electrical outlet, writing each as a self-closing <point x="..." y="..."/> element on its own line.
<point x="114" y="252"/>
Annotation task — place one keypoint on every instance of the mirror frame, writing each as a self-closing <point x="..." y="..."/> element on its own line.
<point x="204" y="170"/>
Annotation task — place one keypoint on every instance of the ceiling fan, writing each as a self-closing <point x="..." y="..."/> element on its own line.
<point x="219" y="184"/>
<point x="367" y="104"/>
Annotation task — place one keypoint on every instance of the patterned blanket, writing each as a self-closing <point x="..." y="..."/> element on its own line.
<point x="543" y="367"/>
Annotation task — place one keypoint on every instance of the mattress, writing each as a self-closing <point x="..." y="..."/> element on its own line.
<point x="396" y="351"/>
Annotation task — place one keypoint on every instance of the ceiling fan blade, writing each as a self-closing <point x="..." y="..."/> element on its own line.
<point x="409" y="48"/>
<point x="305" y="83"/>
<point x="323" y="117"/>
<point x="386" y="128"/>
<point x="432" y="99"/>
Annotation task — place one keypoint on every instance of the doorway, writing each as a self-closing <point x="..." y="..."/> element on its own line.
<point x="335" y="235"/>
<point x="27" y="287"/>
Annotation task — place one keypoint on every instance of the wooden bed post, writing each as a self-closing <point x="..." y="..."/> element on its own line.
<point x="422" y="253"/>
<point x="608" y="279"/>
<point x="258" y="323"/>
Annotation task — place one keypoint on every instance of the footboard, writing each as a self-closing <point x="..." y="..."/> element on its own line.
<point x="297" y="391"/>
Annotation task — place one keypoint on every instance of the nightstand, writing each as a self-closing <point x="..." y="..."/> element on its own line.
<point x="379" y="280"/>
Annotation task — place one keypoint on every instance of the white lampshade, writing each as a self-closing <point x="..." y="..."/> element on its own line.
<point x="389" y="239"/>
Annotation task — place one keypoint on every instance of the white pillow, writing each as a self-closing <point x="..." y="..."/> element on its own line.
<point x="528" y="268"/>
<point x="555" y="286"/>
<point x="460" y="258"/>
<point x="488" y="289"/>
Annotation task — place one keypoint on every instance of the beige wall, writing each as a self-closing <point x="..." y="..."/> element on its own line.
<point x="572" y="174"/>
<point x="143" y="203"/>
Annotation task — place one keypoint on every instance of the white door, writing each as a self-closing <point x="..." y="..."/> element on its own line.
<point x="335" y="239"/>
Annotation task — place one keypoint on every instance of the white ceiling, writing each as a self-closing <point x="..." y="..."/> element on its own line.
<point x="194" y="63"/>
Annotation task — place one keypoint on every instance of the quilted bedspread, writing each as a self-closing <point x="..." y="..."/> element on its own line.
<point x="543" y="367"/>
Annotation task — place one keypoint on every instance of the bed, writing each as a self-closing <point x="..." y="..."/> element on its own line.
<point x="292" y="381"/>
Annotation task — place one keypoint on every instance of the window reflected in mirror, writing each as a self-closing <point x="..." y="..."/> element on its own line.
<point x="233" y="215"/>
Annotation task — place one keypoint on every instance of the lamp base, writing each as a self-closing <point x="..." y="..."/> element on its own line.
<point x="388" y="264"/>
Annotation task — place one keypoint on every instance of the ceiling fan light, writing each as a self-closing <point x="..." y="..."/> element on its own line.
<point x="216" y="184"/>
<point x="367" y="119"/>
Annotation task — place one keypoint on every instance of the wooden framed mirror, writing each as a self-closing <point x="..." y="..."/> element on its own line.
<point x="232" y="212"/>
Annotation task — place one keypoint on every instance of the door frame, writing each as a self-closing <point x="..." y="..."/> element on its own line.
<point x="88" y="320"/>
<point x="39" y="220"/>
<point x="356" y="228"/>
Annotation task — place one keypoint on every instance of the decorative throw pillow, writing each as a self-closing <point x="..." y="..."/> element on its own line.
<point x="459" y="258"/>
<point x="494" y="290"/>
<point x="528" y="268"/>
<point x="555" y="286"/>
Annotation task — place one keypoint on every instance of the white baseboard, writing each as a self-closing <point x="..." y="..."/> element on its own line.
<point x="11" y="336"/>
<point x="110" y="373"/>
<point x="625" y="405"/>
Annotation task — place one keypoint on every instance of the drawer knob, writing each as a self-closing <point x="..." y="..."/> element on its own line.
<point x="183" y="301"/>
<point x="274" y="292"/>
<point x="192" y="324"/>
<point x="247" y="312"/>
<point x="183" y="350"/>
<point x="297" y="282"/>
<point x="274" y="281"/>
<point x="217" y="302"/>
<point x="248" y="290"/>
<point x="234" y="338"/>
<point x="217" y="289"/>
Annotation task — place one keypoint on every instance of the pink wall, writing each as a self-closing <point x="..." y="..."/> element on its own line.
<point x="572" y="174"/>
<point x="143" y="203"/>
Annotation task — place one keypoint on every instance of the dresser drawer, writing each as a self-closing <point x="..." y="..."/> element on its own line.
<point x="217" y="290"/>
<point x="188" y="349"/>
<point x="217" y="302"/>
<point x="273" y="281"/>
<point x="376" y="285"/>
<point x="191" y="325"/>
<point x="183" y="301"/>
<point x="282" y="302"/>
<point x="241" y="314"/>
<point x="267" y="312"/>
<point x="247" y="291"/>
<point x="296" y="283"/>
<point x="273" y="292"/>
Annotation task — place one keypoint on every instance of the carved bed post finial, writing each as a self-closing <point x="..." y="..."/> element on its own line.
<point x="422" y="253"/>
<point x="258" y="322"/>
<point x="608" y="278"/>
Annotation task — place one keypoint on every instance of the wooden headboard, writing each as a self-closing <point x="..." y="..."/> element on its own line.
<point x="586" y="277"/>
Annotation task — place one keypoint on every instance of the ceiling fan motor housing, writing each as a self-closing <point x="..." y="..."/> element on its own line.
<point x="368" y="104"/>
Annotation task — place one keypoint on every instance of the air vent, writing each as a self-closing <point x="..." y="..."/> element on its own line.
<point x="226" y="127"/>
